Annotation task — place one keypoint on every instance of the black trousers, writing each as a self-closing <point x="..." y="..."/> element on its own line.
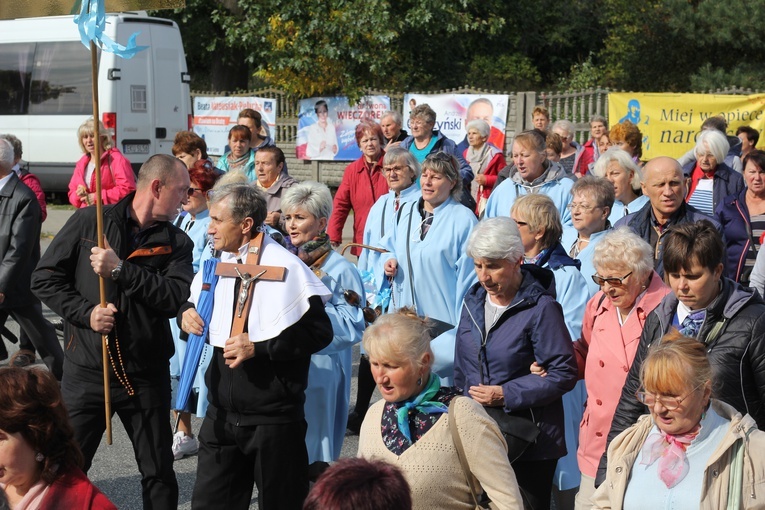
<point x="147" y="426"/>
<point x="535" y="480"/>
<point x="42" y="334"/>
<point x="231" y="459"/>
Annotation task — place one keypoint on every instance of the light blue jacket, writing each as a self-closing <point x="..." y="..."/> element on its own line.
<point x="619" y="210"/>
<point x="585" y="256"/>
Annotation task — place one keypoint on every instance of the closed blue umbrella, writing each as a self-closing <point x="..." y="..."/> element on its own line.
<point x="196" y="343"/>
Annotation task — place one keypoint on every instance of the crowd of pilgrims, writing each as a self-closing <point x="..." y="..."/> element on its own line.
<point x="558" y="286"/>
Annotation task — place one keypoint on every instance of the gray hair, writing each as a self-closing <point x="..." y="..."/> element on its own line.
<point x="401" y="337"/>
<point x="481" y="126"/>
<point x="312" y="196"/>
<point x="622" y="246"/>
<point x="715" y="142"/>
<point x="539" y="211"/>
<point x="6" y="155"/>
<point x="495" y="239"/>
<point x="17" y="152"/>
<point x="160" y="166"/>
<point x="599" y="118"/>
<point x="423" y="112"/>
<point x="601" y="190"/>
<point x="624" y="160"/>
<point x="398" y="155"/>
<point x="447" y="165"/>
<point x="397" y="118"/>
<point x="244" y="201"/>
<point x="564" y="125"/>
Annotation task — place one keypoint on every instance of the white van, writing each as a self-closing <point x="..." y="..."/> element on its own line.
<point x="45" y="90"/>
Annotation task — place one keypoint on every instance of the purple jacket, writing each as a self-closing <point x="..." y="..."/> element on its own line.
<point x="531" y="329"/>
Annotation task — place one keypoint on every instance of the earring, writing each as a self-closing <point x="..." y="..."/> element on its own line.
<point x="419" y="381"/>
<point x="39" y="457"/>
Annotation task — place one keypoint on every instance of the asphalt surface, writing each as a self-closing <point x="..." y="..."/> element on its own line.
<point x="114" y="469"/>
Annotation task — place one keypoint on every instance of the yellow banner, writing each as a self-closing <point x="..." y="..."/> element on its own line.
<point x="670" y="123"/>
<point x="12" y="9"/>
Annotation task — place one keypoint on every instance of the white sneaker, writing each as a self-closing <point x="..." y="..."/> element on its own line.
<point x="184" y="445"/>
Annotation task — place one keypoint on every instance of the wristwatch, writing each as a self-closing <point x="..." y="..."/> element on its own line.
<point x="116" y="271"/>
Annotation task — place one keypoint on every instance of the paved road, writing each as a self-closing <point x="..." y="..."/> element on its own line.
<point x="114" y="469"/>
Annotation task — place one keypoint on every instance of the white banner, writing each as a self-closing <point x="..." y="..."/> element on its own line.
<point x="215" y="116"/>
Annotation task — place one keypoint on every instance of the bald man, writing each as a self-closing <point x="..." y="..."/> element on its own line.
<point x="665" y="186"/>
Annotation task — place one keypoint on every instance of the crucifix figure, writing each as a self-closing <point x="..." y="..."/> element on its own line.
<point x="245" y="288"/>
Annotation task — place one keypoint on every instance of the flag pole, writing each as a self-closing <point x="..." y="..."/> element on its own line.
<point x="100" y="235"/>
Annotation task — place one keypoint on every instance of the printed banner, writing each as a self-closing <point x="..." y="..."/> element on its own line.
<point x="454" y="111"/>
<point x="670" y="123"/>
<point x="327" y="126"/>
<point x="215" y="116"/>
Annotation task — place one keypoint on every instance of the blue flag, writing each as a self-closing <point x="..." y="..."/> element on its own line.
<point x="91" y="22"/>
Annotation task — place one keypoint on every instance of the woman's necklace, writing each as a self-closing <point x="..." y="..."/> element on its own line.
<point x="576" y="249"/>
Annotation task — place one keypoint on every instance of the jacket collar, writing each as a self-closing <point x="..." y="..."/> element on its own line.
<point x="556" y="257"/>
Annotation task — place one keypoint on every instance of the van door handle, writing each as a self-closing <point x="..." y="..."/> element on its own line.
<point x="161" y="133"/>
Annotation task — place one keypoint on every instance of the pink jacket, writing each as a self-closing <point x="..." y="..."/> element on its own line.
<point x="604" y="354"/>
<point x="359" y="190"/>
<point x="117" y="178"/>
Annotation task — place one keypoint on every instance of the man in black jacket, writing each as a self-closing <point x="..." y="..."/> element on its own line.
<point x="254" y="430"/>
<point x="147" y="270"/>
<point x="19" y="252"/>
<point x="727" y="317"/>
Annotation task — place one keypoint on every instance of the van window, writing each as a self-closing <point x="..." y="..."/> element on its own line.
<point x="15" y="75"/>
<point x="61" y="82"/>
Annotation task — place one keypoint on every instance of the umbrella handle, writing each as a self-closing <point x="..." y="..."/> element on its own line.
<point x="359" y="245"/>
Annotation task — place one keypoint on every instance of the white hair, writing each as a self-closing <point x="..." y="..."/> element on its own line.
<point x="312" y="196"/>
<point x="481" y="126"/>
<point x="397" y="118"/>
<point x="622" y="246"/>
<point x="713" y="141"/>
<point x="624" y="160"/>
<point x="495" y="239"/>
<point x="564" y="125"/>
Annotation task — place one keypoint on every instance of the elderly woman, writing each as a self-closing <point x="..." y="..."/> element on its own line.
<point x="189" y="147"/>
<point x="532" y="173"/>
<point x="569" y="156"/>
<point x="692" y="451"/>
<point x="401" y="171"/>
<point x="40" y="463"/>
<point x="195" y="222"/>
<point x="627" y="136"/>
<point x="272" y="177"/>
<point x="322" y="138"/>
<point x="307" y="207"/>
<point x="591" y="148"/>
<point x="711" y="180"/>
<point x="240" y="158"/>
<point x="484" y="159"/>
<point x="510" y="319"/>
<point x="413" y="425"/>
<point x="363" y="183"/>
<point x="117" y="177"/>
<point x="724" y="316"/>
<point x="742" y="216"/>
<point x="590" y="209"/>
<point x="618" y="167"/>
<point x="613" y="323"/>
<point x="427" y="259"/>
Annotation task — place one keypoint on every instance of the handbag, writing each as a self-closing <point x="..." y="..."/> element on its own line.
<point x="480" y="503"/>
<point x="519" y="432"/>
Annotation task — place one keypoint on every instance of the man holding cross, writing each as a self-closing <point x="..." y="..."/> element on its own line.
<point x="267" y="319"/>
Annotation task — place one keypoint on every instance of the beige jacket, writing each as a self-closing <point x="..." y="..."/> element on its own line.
<point x="625" y="448"/>
<point x="431" y="465"/>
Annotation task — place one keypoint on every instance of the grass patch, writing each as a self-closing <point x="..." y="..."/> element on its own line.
<point x="60" y="207"/>
<point x="47" y="235"/>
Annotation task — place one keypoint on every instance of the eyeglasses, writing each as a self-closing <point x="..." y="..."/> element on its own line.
<point x="399" y="169"/>
<point x="669" y="403"/>
<point x="613" y="281"/>
<point x="191" y="191"/>
<point x="581" y="207"/>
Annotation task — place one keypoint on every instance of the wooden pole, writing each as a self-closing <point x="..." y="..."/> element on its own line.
<point x="100" y="230"/>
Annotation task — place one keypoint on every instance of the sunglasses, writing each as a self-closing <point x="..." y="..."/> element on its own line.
<point x="613" y="281"/>
<point x="191" y="191"/>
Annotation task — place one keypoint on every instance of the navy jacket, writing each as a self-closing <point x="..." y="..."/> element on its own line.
<point x="640" y="223"/>
<point x="726" y="181"/>
<point x="733" y="215"/>
<point x="531" y="329"/>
